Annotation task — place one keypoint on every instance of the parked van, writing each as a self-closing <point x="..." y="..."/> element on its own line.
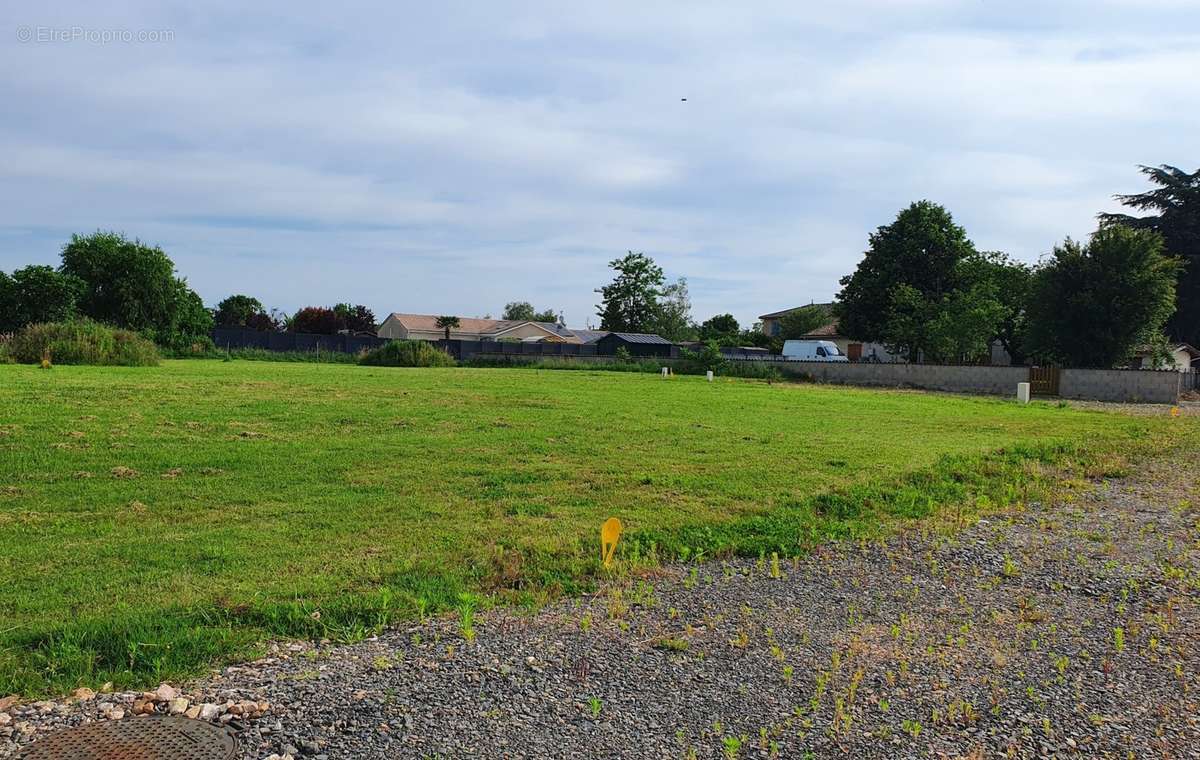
<point x="813" y="350"/>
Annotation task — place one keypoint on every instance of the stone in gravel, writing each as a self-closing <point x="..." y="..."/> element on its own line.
<point x="208" y="711"/>
<point x="309" y="747"/>
<point x="177" y="706"/>
<point x="5" y="719"/>
<point x="143" y="707"/>
<point x="192" y="712"/>
<point x="165" y="693"/>
<point x="7" y="702"/>
<point x="83" y="694"/>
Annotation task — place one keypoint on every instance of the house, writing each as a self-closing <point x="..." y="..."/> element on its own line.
<point x="424" y="327"/>
<point x="854" y="350"/>
<point x="772" y="323"/>
<point x="1183" y="357"/>
<point x="637" y="344"/>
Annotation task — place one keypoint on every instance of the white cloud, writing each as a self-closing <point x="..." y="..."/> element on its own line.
<point x="457" y="156"/>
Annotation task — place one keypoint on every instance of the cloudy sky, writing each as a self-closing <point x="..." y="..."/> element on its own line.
<point x="449" y="157"/>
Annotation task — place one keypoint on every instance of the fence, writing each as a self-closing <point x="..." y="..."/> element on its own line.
<point x="1124" y="385"/>
<point x="238" y="337"/>
<point x="1190" y="381"/>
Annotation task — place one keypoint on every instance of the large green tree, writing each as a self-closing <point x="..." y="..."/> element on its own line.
<point x="132" y="285"/>
<point x="36" y="293"/>
<point x="631" y="300"/>
<point x="1176" y="206"/>
<point x="524" y="311"/>
<point x="1093" y="305"/>
<point x="921" y="250"/>
<point x="238" y="311"/>
<point x="674" y="318"/>
<point x="723" y="328"/>
<point x="1012" y="283"/>
<point x="800" y="322"/>
<point x="355" y="318"/>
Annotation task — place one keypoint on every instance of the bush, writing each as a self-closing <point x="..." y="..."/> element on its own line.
<point x="407" y="353"/>
<point x="709" y="357"/>
<point x="82" y="342"/>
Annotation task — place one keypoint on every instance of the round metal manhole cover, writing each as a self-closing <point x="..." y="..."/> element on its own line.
<point x="151" y="738"/>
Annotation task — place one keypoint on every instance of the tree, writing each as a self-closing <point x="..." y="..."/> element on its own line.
<point x="317" y="320"/>
<point x="1013" y="283"/>
<point x="132" y="285"/>
<point x="921" y="249"/>
<point x="356" y="319"/>
<point x="37" y="293"/>
<point x="523" y="311"/>
<point x="722" y="328"/>
<point x="631" y="299"/>
<point x="1093" y="305"/>
<point x="238" y="311"/>
<point x="446" y="323"/>
<point x="673" y="320"/>
<point x="518" y="310"/>
<point x="800" y="322"/>
<point x="1177" y="203"/>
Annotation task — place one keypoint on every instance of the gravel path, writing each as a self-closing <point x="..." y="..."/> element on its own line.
<point x="1065" y="630"/>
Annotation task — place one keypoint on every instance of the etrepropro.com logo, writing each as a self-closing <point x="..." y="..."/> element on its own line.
<point x="92" y="36"/>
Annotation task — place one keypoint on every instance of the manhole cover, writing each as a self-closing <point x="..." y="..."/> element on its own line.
<point x="154" y="738"/>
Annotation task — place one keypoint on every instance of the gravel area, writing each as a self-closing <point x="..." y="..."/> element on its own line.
<point x="1055" y="630"/>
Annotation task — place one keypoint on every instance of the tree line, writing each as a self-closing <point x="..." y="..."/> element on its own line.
<point x="924" y="291"/>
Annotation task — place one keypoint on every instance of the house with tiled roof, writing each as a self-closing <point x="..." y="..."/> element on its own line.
<point x="400" y="326"/>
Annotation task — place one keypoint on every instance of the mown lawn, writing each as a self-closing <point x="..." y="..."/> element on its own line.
<point x="155" y="519"/>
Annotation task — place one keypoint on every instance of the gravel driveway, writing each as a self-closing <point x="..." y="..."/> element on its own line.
<point x="1065" y="630"/>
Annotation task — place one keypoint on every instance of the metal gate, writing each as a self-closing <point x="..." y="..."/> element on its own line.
<point x="1190" y="382"/>
<point x="1043" y="381"/>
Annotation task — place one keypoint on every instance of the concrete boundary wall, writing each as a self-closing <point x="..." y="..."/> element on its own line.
<point x="1145" y="386"/>
<point x="1131" y="385"/>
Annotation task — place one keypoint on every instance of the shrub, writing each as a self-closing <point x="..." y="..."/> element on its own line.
<point x="407" y="353"/>
<point x="709" y="357"/>
<point x="82" y="342"/>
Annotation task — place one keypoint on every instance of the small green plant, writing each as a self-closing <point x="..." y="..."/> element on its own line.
<point x="1119" y="639"/>
<point x="1010" y="567"/>
<point x="911" y="727"/>
<point x="732" y="746"/>
<point x="595" y="705"/>
<point x="466" y="616"/>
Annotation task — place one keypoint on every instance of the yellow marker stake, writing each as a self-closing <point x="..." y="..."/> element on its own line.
<point x="610" y="534"/>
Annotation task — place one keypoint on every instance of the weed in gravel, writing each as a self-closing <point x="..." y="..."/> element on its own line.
<point x="1119" y="639"/>
<point x="732" y="746"/>
<point x="595" y="705"/>
<point x="466" y="616"/>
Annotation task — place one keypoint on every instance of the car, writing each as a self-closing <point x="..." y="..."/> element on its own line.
<point x="813" y="350"/>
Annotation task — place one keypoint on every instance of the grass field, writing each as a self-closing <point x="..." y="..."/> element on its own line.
<point x="154" y="520"/>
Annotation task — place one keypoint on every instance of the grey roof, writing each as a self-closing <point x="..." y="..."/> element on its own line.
<point x="589" y="336"/>
<point x="641" y="338"/>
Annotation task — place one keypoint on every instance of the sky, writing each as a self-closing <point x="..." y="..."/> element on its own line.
<point x="450" y="157"/>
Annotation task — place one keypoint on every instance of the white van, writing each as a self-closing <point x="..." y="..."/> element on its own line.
<point x="813" y="350"/>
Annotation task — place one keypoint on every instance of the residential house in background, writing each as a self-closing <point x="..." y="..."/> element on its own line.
<point x="424" y="327"/>
<point x="855" y="350"/>
<point x="772" y="323"/>
<point x="1183" y="358"/>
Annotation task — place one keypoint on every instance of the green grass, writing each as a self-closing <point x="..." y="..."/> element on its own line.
<point x="156" y="520"/>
